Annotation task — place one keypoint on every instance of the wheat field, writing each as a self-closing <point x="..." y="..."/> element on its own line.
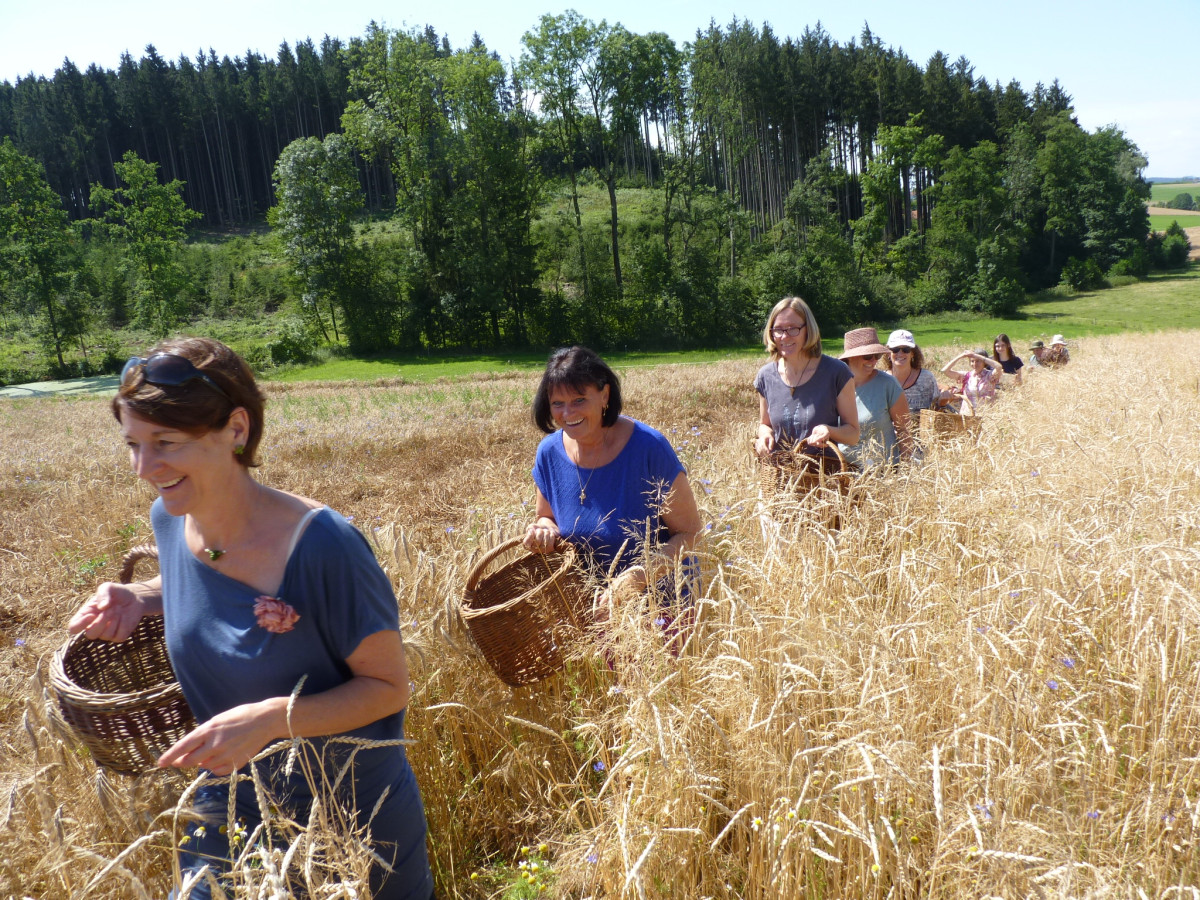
<point x="984" y="685"/>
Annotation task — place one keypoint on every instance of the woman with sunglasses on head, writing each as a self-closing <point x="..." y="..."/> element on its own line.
<point x="882" y="406"/>
<point x="264" y="595"/>
<point x="1003" y="353"/>
<point x="806" y="398"/>
<point x="905" y="361"/>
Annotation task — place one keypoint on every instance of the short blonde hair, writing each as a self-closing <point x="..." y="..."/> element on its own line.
<point x="812" y="343"/>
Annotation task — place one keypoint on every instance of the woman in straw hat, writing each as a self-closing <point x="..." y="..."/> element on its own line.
<point x="882" y="406"/>
<point x="607" y="483"/>
<point x="278" y="620"/>
<point x="977" y="384"/>
<point x="806" y="399"/>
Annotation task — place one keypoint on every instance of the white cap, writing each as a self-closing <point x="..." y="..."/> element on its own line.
<point x="1057" y="339"/>
<point x="901" y="338"/>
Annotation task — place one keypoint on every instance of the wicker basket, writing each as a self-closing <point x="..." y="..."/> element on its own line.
<point x="521" y="613"/>
<point x="787" y="472"/>
<point x="936" y="427"/>
<point x="121" y="699"/>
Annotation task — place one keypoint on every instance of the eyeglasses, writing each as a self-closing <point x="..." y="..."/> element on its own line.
<point x="896" y="350"/>
<point x="870" y="357"/>
<point x="167" y="370"/>
<point x="791" y="331"/>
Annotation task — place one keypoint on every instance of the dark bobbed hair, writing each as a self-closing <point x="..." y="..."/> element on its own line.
<point x="576" y="368"/>
<point x="812" y="336"/>
<point x="916" y="359"/>
<point x="194" y="407"/>
<point x="1002" y="339"/>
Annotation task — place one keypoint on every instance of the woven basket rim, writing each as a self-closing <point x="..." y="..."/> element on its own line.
<point x="477" y="574"/>
<point x="99" y="700"/>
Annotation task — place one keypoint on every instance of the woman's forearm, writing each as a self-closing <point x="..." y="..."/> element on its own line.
<point x="845" y="434"/>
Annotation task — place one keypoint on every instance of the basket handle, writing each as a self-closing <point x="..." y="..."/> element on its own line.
<point x="841" y="457"/>
<point x="481" y="566"/>
<point x="132" y="558"/>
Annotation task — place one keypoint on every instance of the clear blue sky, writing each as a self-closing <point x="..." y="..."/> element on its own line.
<point x="1116" y="58"/>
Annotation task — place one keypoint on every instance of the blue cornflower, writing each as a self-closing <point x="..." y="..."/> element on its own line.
<point x="449" y="529"/>
<point x="599" y="766"/>
<point x="20" y="642"/>
<point x="593" y="858"/>
<point x="1052" y="684"/>
<point x="660" y="621"/>
<point x="1068" y="662"/>
<point x="1094" y="814"/>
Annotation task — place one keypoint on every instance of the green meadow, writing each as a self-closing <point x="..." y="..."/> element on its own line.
<point x="1162" y="221"/>
<point x="1164" y="192"/>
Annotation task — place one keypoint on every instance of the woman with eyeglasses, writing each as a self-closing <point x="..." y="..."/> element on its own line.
<point x="806" y="398"/>
<point x="279" y="623"/>
<point x="882" y="406"/>
<point x="906" y="363"/>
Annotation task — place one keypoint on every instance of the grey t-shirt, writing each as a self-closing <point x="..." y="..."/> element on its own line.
<point x="795" y="412"/>
<point x="922" y="392"/>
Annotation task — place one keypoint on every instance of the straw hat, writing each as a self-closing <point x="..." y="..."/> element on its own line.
<point x="901" y="338"/>
<point x="862" y="342"/>
<point x="1057" y="341"/>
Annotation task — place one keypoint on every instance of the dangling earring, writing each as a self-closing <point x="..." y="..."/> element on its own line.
<point x="238" y="450"/>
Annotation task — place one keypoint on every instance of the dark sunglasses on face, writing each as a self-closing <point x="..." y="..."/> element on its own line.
<point x="870" y="357"/>
<point x="896" y="350"/>
<point x="167" y="370"/>
<point x="792" y="331"/>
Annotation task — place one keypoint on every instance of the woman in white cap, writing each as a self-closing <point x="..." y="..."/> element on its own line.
<point x="882" y="406"/>
<point x="978" y="384"/>
<point x="806" y="399"/>
<point x="907" y="365"/>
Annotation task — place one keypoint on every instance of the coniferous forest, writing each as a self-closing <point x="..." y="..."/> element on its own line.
<point x="612" y="188"/>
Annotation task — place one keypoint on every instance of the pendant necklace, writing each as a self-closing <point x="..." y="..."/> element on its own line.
<point x="213" y="553"/>
<point x="583" y="485"/>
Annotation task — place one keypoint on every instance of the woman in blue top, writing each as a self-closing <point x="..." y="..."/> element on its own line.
<point x="263" y="593"/>
<point x="605" y="482"/>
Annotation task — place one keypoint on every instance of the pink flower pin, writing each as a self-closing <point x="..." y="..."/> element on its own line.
<point x="275" y="615"/>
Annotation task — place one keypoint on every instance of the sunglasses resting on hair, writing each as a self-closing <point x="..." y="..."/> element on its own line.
<point x="167" y="370"/>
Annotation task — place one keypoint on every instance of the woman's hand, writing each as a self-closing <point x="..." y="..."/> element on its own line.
<point x="764" y="444"/>
<point x="820" y="436"/>
<point x="629" y="585"/>
<point x="110" y="614"/>
<point x="230" y="739"/>
<point x="542" y="536"/>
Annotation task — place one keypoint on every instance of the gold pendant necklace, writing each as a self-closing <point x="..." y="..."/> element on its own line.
<point x="583" y="484"/>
